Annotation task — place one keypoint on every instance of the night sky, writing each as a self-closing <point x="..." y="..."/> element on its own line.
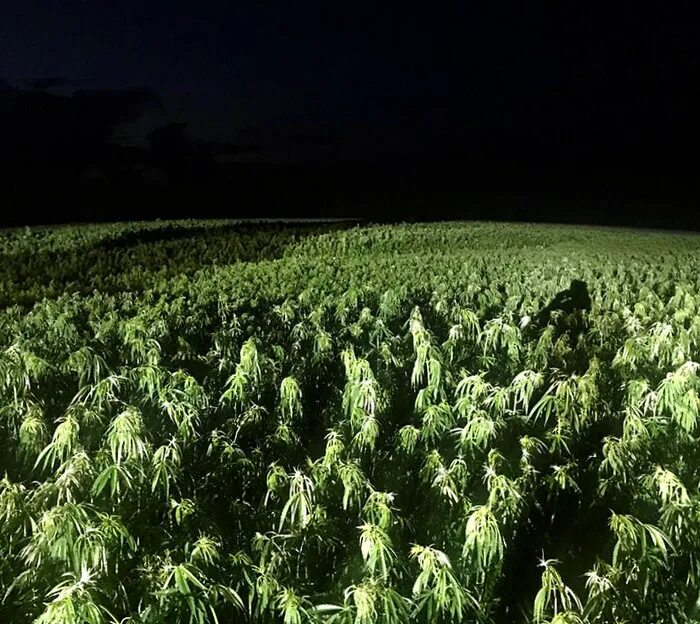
<point x="530" y="110"/>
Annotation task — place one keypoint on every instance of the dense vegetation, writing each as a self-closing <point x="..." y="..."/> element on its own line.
<point x="212" y="423"/>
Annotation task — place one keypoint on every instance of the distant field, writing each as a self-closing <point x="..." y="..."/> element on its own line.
<point x="216" y="421"/>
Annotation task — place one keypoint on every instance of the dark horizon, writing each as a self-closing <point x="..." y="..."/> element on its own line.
<point x="563" y="114"/>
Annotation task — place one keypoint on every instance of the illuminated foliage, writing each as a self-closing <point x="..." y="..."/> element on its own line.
<point x="352" y="426"/>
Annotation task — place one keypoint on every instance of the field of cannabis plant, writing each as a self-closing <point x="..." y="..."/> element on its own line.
<point x="207" y="422"/>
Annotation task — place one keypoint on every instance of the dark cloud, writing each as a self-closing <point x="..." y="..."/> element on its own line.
<point x="50" y="140"/>
<point x="191" y="37"/>
<point x="313" y="139"/>
<point x="49" y="82"/>
<point x="222" y="148"/>
<point x="112" y="107"/>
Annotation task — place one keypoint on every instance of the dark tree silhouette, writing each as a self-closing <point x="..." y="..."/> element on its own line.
<point x="46" y="134"/>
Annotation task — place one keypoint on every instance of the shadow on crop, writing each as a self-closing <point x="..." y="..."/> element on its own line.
<point x="566" y="313"/>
